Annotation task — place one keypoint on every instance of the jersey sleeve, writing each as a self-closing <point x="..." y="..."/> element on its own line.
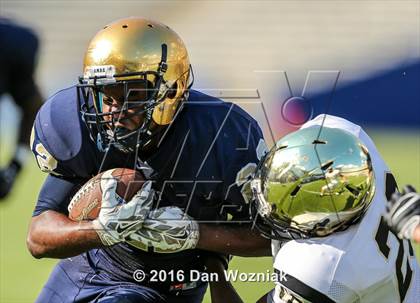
<point x="57" y="137"/>
<point x="246" y="151"/>
<point x="55" y="195"/>
<point x="314" y="277"/>
<point x="56" y="145"/>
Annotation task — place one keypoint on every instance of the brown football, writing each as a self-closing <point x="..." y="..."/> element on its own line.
<point x="86" y="203"/>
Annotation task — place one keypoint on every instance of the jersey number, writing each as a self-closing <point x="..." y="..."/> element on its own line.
<point x="45" y="160"/>
<point x="382" y="238"/>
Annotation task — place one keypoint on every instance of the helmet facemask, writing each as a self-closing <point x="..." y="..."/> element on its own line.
<point x="136" y="95"/>
<point x="262" y="212"/>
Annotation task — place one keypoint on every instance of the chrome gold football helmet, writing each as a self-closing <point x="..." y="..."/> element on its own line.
<point x="313" y="182"/>
<point x="148" y="64"/>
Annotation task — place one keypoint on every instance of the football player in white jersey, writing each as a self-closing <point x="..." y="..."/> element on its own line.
<point x="331" y="245"/>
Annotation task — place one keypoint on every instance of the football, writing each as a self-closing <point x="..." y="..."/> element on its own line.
<point x="86" y="203"/>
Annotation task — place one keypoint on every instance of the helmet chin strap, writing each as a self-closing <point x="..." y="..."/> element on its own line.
<point x="131" y="141"/>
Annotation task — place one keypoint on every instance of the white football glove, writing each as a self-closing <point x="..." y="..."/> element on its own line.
<point x="403" y="212"/>
<point x="167" y="230"/>
<point x="117" y="220"/>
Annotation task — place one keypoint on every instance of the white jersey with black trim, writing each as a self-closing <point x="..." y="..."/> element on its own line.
<point x="364" y="263"/>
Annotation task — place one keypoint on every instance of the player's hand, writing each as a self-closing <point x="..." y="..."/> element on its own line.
<point x="168" y="230"/>
<point x="8" y="177"/>
<point x="403" y="212"/>
<point x="117" y="220"/>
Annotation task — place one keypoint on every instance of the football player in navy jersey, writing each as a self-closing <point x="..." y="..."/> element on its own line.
<point x="134" y="108"/>
<point x="18" y="56"/>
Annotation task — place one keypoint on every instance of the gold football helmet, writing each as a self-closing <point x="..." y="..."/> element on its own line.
<point x="148" y="64"/>
<point x="313" y="182"/>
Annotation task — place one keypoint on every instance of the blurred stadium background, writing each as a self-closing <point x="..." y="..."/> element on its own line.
<point x="256" y="53"/>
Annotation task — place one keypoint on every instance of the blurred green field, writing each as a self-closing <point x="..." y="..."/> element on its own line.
<point x="21" y="276"/>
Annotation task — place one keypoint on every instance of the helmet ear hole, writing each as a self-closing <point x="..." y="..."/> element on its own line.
<point x="173" y="91"/>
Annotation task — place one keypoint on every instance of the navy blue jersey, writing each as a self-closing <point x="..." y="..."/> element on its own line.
<point x="18" y="54"/>
<point x="196" y="167"/>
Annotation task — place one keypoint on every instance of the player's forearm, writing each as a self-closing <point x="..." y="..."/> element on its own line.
<point x="233" y="240"/>
<point x="221" y="290"/>
<point x="53" y="235"/>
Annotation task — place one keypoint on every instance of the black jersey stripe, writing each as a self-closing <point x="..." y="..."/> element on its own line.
<point x="303" y="290"/>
